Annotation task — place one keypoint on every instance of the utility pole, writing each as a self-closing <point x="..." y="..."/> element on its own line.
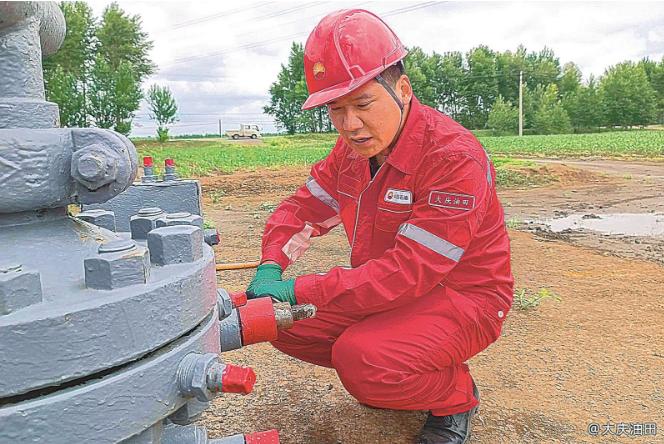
<point x="221" y="134"/>
<point x="520" y="103"/>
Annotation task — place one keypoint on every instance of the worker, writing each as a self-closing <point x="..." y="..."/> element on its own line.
<point x="430" y="283"/>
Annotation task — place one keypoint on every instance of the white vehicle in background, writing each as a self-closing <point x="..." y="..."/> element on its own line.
<point x="246" y="130"/>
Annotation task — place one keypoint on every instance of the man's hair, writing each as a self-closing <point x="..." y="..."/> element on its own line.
<point x="394" y="73"/>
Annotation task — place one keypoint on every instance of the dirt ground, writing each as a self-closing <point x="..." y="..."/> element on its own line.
<point x="594" y="357"/>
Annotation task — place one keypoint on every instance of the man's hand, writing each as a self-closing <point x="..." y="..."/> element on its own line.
<point x="282" y="291"/>
<point x="268" y="272"/>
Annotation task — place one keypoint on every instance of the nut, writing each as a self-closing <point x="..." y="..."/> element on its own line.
<point x="224" y="303"/>
<point x="144" y="222"/>
<point x="175" y="245"/>
<point x="19" y="288"/>
<point x="120" y="263"/>
<point x="100" y="218"/>
<point x="192" y="375"/>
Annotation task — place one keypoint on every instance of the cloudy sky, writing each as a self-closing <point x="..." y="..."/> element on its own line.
<point x="219" y="58"/>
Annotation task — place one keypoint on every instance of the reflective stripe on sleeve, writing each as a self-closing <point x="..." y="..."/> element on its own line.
<point x="319" y="193"/>
<point x="431" y="241"/>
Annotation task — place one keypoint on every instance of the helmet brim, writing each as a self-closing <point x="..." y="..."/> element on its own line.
<point x="326" y="96"/>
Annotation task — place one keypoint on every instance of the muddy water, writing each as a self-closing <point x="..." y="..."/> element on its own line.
<point x="629" y="224"/>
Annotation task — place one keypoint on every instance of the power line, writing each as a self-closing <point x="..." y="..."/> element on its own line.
<point x="252" y="45"/>
<point x="208" y="18"/>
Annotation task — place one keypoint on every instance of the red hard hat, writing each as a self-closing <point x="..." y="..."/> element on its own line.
<point x="345" y="50"/>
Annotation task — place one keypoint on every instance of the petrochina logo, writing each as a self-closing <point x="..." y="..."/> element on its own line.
<point x="319" y="71"/>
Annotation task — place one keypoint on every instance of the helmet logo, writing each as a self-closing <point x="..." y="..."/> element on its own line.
<point x="319" y="71"/>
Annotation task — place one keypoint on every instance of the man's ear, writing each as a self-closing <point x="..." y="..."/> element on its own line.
<point x="404" y="89"/>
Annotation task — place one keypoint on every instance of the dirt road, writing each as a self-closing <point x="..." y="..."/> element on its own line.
<point x="596" y="356"/>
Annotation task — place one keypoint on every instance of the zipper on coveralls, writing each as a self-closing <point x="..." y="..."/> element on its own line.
<point x="359" y="201"/>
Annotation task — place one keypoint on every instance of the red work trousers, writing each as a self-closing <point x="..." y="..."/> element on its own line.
<point x="410" y="357"/>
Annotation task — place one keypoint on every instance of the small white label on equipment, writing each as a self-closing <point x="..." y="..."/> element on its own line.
<point x="399" y="196"/>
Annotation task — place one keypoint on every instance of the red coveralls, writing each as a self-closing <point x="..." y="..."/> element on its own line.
<point x="430" y="282"/>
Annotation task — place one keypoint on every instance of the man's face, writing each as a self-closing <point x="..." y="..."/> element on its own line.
<point x="369" y="118"/>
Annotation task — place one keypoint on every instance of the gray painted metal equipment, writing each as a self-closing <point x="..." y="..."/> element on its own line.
<point x="95" y="327"/>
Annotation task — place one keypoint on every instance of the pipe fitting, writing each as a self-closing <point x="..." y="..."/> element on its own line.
<point x="203" y="376"/>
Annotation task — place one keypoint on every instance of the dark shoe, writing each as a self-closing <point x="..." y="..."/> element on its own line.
<point x="452" y="429"/>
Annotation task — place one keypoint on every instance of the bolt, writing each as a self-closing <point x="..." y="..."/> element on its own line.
<point x="117" y="245"/>
<point x="91" y="166"/>
<point x="94" y="166"/>
<point x="150" y="211"/>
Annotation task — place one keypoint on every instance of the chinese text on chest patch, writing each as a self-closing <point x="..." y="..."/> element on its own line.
<point x="455" y="201"/>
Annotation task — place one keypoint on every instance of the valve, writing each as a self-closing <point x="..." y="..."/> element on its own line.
<point x="203" y="377"/>
<point x="169" y="170"/>
<point x="148" y="170"/>
<point x="245" y="322"/>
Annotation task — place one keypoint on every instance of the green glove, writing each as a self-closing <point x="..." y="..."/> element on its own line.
<point x="282" y="291"/>
<point x="265" y="273"/>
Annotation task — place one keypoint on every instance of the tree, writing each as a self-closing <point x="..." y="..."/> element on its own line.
<point x="627" y="97"/>
<point x="480" y="87"/>
<point x="450" y="83"/>
<point x="655" y="73"/>
<point x="67" y="91"/>
<point x="418" y="66"/>
<point x="570" y="81"/>
<point x="120" y="65"/>
<point x="286" y="97"/>
<point x="66" y="73"/>
<point x="115" y="95"/>
<point x="584" y="106"/>
<point x="163" y="109"/>
<point x="95" y="77"/>
<point x="503" y="117"/>
<point x="551" y="117"/>
<point x="542" y="68"/>
<point x="508" y="66"/>
<point x="122" y="40"/>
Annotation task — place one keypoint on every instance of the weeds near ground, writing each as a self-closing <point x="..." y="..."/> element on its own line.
<point x="513" y="223"/>
<point x="527" y="299"/>
<point x="267" y="206"/>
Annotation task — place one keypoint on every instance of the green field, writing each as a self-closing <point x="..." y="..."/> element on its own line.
<point x="201" y="157"/>
<point x="636" y="143"/>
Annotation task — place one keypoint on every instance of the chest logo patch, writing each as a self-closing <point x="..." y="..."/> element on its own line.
<point x="403" y="197"/>
<point x="464" y="202"/>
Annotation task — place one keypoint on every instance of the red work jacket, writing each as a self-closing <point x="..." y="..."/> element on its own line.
<point x="430" y="218"/>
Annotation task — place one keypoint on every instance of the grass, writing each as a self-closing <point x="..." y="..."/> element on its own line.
<point x="642" y="143"/>
<point x="527" y="299"/>
<point x="202" y="157"/>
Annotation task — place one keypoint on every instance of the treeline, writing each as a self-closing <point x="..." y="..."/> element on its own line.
<point x="95" y="78"/>
<point x="480" y="89"/>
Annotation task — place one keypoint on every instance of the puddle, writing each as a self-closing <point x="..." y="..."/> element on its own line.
<point x="630" y="224"/>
